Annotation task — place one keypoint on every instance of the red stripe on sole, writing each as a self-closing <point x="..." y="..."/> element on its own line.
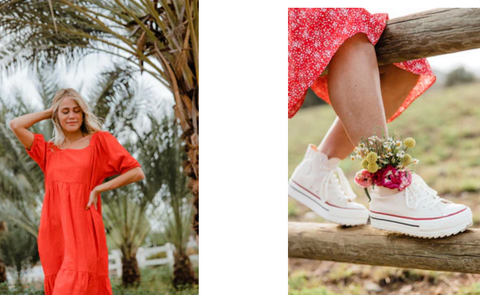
<point x="325" y="202"/>
<point x="415" y="218"/>
<point x="344" y="207"/>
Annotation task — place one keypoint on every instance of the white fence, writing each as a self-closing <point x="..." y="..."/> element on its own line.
<point x="115" y="259"/>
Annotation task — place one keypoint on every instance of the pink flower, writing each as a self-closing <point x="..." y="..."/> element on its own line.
<point x="395" y="179"/>
<point x="377" y="177"/>
<point x="405" y="178"/>
<point x="363" y="178"/>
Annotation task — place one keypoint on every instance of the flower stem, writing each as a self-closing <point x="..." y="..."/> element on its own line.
<point x="368" y="195"/>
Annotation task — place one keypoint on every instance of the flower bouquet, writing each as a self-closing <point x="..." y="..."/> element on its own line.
<point x="384" y="163"/>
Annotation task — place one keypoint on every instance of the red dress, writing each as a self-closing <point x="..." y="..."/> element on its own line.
<point x="315" y="34"/>
<point x="71" y="240"/>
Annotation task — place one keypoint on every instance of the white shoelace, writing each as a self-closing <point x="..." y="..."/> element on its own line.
<point x="341" y="184"/>
<point x="426" y="194"/>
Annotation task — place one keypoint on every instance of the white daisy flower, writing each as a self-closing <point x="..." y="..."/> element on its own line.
<point x="362" y="145"/>
<point x="352" y="157"/>
<point x="415" y="161"/>
<point x="401" y="154"/>
<point x="398" y="143"/>
<point x="386" y="144"/>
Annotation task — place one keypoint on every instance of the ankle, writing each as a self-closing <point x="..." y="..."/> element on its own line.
<point x="334" y="153"/>
<point x="384" y="192"/>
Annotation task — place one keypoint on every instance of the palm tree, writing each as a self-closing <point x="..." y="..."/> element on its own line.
<point x="167" y="188"/>
<point x="159" y="37"/>
<point x="21" y="182"/>
<point x="19" y="251"/>
<point x="128" y="226"/>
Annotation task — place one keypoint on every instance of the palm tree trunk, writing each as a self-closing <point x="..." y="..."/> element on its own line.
<point x="189" y="118"/>
<point x="130" y="270"/>
<point x="186" y="111"/>
<point x="183" y="273"/>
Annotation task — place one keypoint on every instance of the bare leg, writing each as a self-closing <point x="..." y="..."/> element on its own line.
<point x="395" y="86"/>
<point x="354" y="88"/>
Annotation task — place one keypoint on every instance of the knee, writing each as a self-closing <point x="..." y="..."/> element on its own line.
<point x="359" y="42"/>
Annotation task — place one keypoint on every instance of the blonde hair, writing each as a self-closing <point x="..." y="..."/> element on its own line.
<point x="90" y="124"/>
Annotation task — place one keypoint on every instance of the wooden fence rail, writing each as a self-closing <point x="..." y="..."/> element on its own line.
<point x="367" y="245"/>
<point x="429" y="33"/>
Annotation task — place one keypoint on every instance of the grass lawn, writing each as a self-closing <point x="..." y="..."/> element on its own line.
<point x="155" y="280"/>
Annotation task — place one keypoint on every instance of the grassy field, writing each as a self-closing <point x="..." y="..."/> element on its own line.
<point x="446" y="126"/>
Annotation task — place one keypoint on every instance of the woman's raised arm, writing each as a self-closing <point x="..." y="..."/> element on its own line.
<point x="21" y="124"/>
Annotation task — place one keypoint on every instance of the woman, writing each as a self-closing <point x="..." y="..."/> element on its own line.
<point x="363" y="96"/>
<point x="71" y="239"/>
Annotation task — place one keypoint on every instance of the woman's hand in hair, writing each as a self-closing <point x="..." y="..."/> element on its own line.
<point x="50" y="112"/>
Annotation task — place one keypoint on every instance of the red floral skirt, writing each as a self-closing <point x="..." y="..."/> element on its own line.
<point x="315" y="34"/>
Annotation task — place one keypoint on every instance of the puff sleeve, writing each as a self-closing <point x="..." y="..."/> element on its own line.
<point x="114" y="158"/>
<point x="38" y="151"/>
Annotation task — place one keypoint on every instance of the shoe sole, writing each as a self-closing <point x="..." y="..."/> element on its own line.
<point x="422" y="228"/>
<point x="328" y="212"/>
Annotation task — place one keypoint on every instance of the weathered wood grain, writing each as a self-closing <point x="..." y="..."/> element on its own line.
<point x="367" y="245"/>
<point x="429" y="33"/>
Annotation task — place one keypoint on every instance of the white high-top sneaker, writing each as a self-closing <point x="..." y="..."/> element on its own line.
<point x="320" y="184"/>
<point x="417" y="211"/>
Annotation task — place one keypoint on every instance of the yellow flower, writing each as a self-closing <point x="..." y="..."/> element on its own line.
<point x="364" y="164"/>
<point x="409" y="142"/>
<point x="372" y="157"/>
<point x="372" y="167"/>
<point x="407" y="160"/>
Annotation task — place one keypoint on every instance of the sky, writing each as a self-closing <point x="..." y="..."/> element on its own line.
<point x="86" y="74"/>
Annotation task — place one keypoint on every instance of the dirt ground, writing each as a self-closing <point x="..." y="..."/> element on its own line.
<point x="366" y="279"/>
